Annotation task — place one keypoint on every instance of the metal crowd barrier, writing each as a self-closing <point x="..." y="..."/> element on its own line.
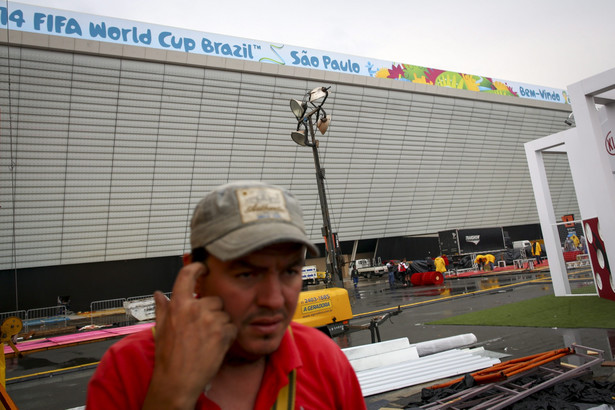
<point x="46" y="318"/>
<point x="21" y="314"/>
<point x="112" y="311"/>
<point x="105" y="312"/>
<point x="133" y="298"/>
<point x="41" y="318"/>
<point x="102" y="312"/>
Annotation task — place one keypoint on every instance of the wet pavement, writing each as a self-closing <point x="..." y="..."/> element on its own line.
<point x="421" y="305"/>
<point x="36" y="381"/>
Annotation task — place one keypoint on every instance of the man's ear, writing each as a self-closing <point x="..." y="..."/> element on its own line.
<point x="187" y="259"/>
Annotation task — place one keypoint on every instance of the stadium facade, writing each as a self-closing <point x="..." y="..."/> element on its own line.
<point x="106" y="147"/>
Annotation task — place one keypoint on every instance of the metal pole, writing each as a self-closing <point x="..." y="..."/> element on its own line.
<point x="332" y="260"/>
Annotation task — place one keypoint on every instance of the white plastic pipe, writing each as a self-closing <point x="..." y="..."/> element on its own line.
<point x="446" y="343"/>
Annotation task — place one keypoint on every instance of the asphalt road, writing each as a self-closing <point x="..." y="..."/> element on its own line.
<point x="57" y="379"/>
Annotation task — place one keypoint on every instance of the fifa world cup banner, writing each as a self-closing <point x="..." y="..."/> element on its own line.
<point x="36" y="19"/>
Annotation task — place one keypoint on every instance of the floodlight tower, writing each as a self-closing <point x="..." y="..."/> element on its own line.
<point x="305" y="137"/>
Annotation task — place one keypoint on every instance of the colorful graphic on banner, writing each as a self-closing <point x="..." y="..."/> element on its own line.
<point x="36" y="19"/>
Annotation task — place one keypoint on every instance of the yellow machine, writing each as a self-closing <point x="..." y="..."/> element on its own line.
<point x="327" y="309"/>
<point x="8" y="332"/>
<point x="322" y="276"/>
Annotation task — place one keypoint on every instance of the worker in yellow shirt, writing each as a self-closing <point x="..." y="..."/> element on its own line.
<point x="490" y="261"/>
<point x="536" y="250"/>
<point x="440" y="264"/>
<point x="480" y="261"/>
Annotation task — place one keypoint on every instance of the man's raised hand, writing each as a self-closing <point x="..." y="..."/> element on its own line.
<point x="192" y="338"/>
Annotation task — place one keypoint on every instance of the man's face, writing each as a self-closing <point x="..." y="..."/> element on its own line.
<point x="260" y="292"/>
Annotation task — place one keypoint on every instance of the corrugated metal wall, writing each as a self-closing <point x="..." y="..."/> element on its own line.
<point x="103" y="158"/>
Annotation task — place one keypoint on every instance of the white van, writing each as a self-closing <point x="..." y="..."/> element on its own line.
<point x="522" y="244"/>
<point x="525" y="248"/>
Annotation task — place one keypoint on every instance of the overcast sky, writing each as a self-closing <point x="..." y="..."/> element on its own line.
<point x="552" y="43"/>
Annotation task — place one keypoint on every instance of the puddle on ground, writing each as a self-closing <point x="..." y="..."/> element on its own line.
<point x="378" y="294"/>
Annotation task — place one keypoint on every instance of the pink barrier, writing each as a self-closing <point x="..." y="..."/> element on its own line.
<point x="59" y="341"/>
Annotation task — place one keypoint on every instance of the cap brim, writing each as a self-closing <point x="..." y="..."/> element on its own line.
<point x="257" y="236"/>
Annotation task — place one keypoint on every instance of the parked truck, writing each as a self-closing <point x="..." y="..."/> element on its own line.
<point x="369" y="267"/>
<point x="472" y="240"/>
<point x="457" y="243"/>
<point x="311" y="276"/>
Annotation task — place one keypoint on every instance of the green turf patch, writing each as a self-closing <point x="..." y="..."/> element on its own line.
<point x="545" y="311"/>
<point x="585" y="290"/>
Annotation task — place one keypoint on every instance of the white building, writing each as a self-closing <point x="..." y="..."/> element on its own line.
<point x="108" y="143"/>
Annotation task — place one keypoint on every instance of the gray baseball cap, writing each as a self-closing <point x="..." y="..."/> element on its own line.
<point x="240" y="217"/>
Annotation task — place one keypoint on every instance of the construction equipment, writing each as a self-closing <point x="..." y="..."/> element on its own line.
<point x="326" y="309"/>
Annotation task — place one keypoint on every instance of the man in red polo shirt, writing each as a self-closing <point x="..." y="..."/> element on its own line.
<point x="225" y="339"/>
